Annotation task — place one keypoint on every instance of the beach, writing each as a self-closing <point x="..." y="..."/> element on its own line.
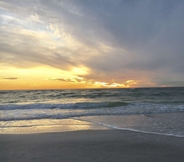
<point x="91" y="145"/>
<point x="84" y="140"/>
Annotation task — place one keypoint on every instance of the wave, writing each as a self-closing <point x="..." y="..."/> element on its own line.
<point x="58" y="111"/>
<point x="79" y="105"/>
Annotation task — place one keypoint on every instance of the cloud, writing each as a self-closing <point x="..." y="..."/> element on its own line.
<point x="117" y="40"/>
<point x="65" y="80"/>
<point x="10" y="78"/>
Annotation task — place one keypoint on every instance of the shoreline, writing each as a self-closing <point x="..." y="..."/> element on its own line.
<point x="91" y="145"/>
<point x="159" y="124"/>
<point x="168" y="124"/>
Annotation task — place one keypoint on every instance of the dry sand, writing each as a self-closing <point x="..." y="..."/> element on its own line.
<point x="91" y="146"/>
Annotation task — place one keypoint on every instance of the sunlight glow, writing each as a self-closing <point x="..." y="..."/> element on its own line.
<point x="79" y="71"/>
<point x="47" y="77"/>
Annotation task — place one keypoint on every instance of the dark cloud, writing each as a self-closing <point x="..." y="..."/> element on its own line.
<point x="10" y="78"/>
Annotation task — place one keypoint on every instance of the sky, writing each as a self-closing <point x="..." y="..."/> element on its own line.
<point x="58" y="44"/>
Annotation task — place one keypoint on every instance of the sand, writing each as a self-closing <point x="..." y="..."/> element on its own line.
<point x="91" y="146"/>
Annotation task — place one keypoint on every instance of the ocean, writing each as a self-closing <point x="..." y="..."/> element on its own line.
<point x="154" y="110"/>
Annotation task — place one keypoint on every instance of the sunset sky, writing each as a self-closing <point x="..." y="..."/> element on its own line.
<point x="56" y="44"/>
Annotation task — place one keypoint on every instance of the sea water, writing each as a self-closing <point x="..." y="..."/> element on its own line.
<point x="158" y="110"/>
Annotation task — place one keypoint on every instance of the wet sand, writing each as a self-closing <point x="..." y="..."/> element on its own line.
<point x="91" y="146"/>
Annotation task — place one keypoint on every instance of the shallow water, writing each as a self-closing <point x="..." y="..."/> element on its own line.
<point x="143" y="103"/>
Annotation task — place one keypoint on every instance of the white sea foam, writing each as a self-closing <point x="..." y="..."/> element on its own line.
<point x="122" y="123"/>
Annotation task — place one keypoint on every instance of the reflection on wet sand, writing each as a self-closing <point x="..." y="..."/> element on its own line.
<point x="47" y="125"/>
